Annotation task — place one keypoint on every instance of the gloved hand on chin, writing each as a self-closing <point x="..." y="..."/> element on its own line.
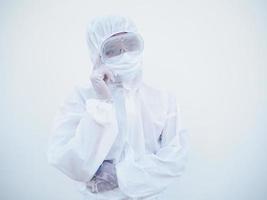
<point x="99" y="79"/>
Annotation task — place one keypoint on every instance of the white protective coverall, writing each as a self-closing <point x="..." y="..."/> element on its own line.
<point x="140" y="130"/>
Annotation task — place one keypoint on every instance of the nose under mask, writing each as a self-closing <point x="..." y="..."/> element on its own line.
<point x="126" y="66"/>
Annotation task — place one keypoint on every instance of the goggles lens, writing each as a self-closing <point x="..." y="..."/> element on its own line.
<point x="119" y="44"/>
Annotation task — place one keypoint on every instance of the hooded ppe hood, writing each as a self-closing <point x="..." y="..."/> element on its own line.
<point x="101" y="28"/>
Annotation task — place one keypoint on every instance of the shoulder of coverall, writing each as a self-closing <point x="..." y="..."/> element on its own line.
<point x="162" y="93"/>
<point x="83" y="91"/>
<point x="162" y="98"/>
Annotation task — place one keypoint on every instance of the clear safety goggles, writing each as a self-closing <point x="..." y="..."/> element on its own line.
<point x="114" y="46"/>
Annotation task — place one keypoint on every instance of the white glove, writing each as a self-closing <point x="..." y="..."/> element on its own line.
<point x="104" y="179"/>
<point x="99" y="78"/>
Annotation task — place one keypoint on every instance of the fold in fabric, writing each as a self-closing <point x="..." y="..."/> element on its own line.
<point x="82" y="135"/>
<point x="153" y="173"/>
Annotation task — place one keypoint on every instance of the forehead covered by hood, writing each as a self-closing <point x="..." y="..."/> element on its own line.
<point x="101" y="28"/>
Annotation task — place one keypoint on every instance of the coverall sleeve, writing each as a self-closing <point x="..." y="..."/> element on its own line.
<point x="152" y="173"/>
<point x="82" y="135"/>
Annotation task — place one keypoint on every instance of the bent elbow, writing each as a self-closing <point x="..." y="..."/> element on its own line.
<point x="70" y="165"/>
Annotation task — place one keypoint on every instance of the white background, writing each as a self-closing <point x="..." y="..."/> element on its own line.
<point x="213" y="54"/>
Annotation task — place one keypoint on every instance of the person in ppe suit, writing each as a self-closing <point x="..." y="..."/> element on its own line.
<point x="118" y="138"/>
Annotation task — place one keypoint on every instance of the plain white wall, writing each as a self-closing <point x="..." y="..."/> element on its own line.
<point x="213" y="54"/>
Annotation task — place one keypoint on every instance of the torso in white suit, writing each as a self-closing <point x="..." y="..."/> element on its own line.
<point x="139" y="131"/>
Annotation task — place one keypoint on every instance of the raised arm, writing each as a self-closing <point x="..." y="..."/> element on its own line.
<point x="82" y="135"/>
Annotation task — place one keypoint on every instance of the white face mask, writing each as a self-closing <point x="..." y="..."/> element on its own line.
<point x="125" y="66"/>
